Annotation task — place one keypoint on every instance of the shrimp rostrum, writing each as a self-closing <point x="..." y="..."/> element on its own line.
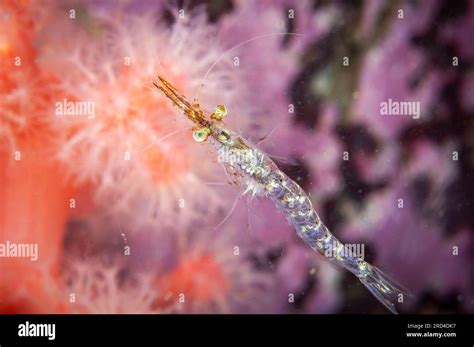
<point x="264" y="179"/>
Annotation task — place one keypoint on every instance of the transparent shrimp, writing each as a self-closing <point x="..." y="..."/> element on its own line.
<point x="263" y="178"/>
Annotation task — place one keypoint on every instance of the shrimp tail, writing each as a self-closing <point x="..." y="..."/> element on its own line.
<point x="382" y="287"/>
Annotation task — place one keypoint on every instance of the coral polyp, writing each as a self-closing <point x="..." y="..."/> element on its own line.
<point x="27" y="92"/>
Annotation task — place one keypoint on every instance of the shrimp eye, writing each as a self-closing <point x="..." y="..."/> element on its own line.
<point x="201" y="135"/>
<point x="223" y="136"/>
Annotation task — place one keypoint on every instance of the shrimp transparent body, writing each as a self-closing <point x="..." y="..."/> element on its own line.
<point x="263" y="178"/>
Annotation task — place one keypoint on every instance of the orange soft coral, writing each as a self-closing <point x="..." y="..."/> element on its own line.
<point x="34" y="196"/>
